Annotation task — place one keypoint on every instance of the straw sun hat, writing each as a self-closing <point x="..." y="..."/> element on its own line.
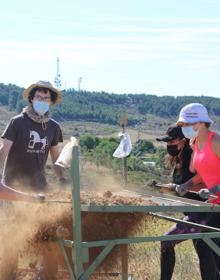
<point x="42" y="84"/>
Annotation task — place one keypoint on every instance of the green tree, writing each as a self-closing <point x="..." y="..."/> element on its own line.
<point x="12" y="100"/>
<point x="88" y="143"/>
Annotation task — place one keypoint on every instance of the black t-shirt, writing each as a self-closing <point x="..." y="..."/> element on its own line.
<point x="29" y="152"/>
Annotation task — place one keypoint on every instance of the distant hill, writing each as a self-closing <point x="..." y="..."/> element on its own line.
<point x="105" y="107"/>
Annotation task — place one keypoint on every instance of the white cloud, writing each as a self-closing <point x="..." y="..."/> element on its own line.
<point x="189" y="30"/>
<point x="112" y="19"/>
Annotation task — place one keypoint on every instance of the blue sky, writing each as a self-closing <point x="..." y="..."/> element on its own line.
<point x="157" y="47"/>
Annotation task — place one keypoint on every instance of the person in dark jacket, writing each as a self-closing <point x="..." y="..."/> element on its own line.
<point x="178" y="160"/>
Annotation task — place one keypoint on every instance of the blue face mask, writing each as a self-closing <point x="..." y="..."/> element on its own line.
<point x="189" y="132"/>
<point x="41" y="107"/>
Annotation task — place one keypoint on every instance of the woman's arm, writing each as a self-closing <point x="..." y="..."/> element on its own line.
<point x="191" y="166"/>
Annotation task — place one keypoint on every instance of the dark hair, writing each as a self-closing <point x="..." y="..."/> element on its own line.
<point x="53" y="95"/>
<point x="207" y="125"/>
<point x="172" y="161"/>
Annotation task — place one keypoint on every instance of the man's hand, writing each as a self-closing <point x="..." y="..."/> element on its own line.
<point x="40" y="198"/>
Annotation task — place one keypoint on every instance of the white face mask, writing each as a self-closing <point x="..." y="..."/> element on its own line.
<point x="41" y="107"/>
<point x="189" y="132"/>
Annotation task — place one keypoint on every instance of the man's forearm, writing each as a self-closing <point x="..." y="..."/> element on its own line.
<point x="2" y="157"/>
<point x="58" y="170"/>
<point x="54" y="156"/>
<point x="4" y="151"/>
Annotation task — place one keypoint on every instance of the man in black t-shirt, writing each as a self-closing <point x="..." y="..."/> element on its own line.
<point x="28" y="139"/>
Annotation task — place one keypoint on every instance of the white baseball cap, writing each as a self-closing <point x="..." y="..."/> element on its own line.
<point x="194" y="112"/>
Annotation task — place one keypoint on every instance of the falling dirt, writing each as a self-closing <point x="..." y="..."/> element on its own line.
<point x="99" y="178"/>
<point x="28" y="231"/>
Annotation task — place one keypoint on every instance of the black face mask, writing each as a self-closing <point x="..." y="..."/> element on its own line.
<point x="172" y="150"/>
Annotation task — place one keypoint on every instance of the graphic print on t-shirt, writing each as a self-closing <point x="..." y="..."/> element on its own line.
<point x="35" y="139"/>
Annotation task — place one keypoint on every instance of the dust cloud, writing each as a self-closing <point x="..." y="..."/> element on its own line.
<point x="100" y="179"/>
<point x="27" y="229"/>
<point x="21" y="223"/>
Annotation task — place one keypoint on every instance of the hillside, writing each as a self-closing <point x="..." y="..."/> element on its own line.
<point x="5" y="115"/>
<point x="145" y="112"/>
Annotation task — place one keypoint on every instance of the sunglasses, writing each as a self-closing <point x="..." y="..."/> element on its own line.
<point x="44" y="90"/>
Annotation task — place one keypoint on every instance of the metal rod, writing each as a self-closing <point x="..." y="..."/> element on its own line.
<point x="168" y="198"/>
<point x="212" y="245"/>
<point x="67" y="260"/>
<point x="168" y="186"/>
<point x="57" y="201"/>
<point x="125" y="174"/>
<point x="108" y="247"/>
<point x="124" y="262"/>
<point x="152" y="208"/>
<point x="187" y="223"/>
<point x="185" y="236"/>
<point x="77" y="225"/>
<point x="123" y="122"/>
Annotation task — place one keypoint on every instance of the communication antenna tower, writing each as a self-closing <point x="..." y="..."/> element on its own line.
<point x="57" y="80"/>
<point x="79" y="83"/>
